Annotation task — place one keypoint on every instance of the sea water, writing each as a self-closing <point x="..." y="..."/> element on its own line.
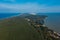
<point x="7" y="15"/>
<point x="52" y="21"/>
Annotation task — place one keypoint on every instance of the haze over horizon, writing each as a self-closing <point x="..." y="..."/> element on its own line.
<point x="17" y="6"/>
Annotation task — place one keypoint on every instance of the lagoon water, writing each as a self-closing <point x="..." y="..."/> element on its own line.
<point x="52" y="21"/>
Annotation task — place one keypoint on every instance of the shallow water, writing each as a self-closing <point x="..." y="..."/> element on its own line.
<point x="53" y="21"/>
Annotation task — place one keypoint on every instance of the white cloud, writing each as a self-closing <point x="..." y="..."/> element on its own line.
<point x="29" y="7"/>
<point x="33" y="13"/>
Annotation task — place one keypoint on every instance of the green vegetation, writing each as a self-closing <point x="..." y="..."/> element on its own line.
<point x="17" y="29"/>
<point x="21" y="28"/>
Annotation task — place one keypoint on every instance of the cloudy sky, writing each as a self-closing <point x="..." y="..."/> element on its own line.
<point x="16" y="6"/>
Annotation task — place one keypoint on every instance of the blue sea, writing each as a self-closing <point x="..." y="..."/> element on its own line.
<point x="7" y="15"/>
<point x="52" y="21"/>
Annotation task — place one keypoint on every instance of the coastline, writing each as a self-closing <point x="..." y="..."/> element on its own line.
<point x="9" y="16"/>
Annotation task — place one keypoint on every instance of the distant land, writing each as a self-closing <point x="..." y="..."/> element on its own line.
<point x="52" y="21"/>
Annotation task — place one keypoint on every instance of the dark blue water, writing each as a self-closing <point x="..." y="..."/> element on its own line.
<point x="6" y="15"/>
<point x="52" y="21"/>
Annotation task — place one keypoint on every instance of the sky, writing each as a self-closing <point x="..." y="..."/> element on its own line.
<point x="23" y="6"/>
